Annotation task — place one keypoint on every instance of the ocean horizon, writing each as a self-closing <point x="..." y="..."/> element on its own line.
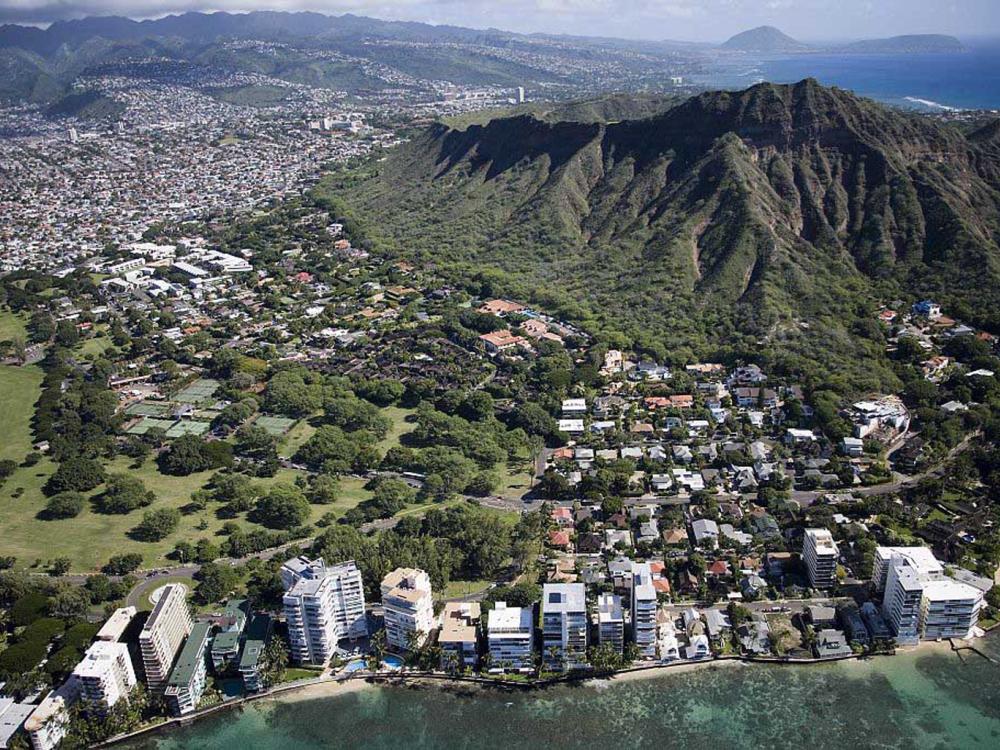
<point x="926" y="82"/>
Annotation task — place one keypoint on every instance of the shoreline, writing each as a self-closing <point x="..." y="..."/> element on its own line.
<point x="329" y="687"/>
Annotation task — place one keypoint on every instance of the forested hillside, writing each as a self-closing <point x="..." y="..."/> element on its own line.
<point x="772" y="220"/>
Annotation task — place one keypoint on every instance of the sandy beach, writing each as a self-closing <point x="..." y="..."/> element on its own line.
<point x="326" y="689"/>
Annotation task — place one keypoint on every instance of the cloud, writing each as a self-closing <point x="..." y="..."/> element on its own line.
<point x="690" y="19"/>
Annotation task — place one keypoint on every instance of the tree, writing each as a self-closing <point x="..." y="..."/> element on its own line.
<point x="274" y="662"/>
<point x="283" y="507"/>
<point x="75" y="474"/>
<point x="324" y="489"/>
<point x="121" y="565"/>
<point x="60" y="566"/>
<point x="64" y="505"/>
<point x="189" y="454"/>
<point x="123" y="494"/>
<point x="215" y="582"/>
<point x="157" y="524"/>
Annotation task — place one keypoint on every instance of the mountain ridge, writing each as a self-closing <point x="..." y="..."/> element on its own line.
<point x="772" y="215"/>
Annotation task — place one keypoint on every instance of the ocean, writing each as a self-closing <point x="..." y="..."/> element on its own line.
<point x="968" y="80"/>
<point x="914" y="700"/>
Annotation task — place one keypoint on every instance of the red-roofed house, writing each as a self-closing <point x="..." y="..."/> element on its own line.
<point x="718" y="568"/>
<point x="563" y="516"/>
<point x="559" y="539"/>
<point x="501" y="307"/>
<point x="499" y="341"/>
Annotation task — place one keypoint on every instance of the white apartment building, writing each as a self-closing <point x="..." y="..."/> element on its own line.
<point x="564" y="625"/>
<point x="459" y="635"/>
<point x="408" y="606"/>
<point x="920" y="602"/>
<point x="47" y="724"/>
<point x="511" y="638"/>
<point x="322" y="605"/>
<point x="105" y="676"/>
<point x="168" y="625"/>
<point x="611" y="621"/>
<point x="187" y="680"/>
<point x="819" y="553"/>
<point x="644" y="607"/>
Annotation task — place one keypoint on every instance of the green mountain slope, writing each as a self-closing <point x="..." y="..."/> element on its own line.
<point x="771" y="219"/>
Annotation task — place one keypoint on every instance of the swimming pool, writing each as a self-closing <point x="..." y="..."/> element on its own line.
<point x="392" y="662"/>
<point x="355" y="665"/>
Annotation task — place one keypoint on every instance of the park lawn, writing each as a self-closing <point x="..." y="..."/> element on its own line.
<point x="12" y="326"/>
<point x="295" y="437"/>
<point x="90" y="539"/>
<point x="95" y="346"/>
<point x="19" y="390"/>
<point x="400" y="426"/>
<point x="461" y="589"/>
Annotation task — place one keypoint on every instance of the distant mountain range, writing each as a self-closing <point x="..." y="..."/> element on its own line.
<point x="773" y="218"/>
<point x="769" y="40"/>
<point x="39" y="64"/>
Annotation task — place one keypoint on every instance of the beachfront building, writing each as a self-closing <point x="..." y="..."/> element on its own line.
<point x="160" y="640"/>
<point x="408" y="605"/>
<point x="187" y="680"/>
<point x="231" y="623"/>
<point x="611" y="621"/>
<point x="644" y="607"/>
<point x="322" y="605"/>
<point x="564" y="625"/>
<point x="819" y="553"/>
<point x="919" y="601"/>
<point x="258" y="634"/>
<point x="511" y="638"/>
<point x="12" y="717"/>
<point x="459" y="635"/>
<point x="105" y="676"/>
<point x="47" y="724"/>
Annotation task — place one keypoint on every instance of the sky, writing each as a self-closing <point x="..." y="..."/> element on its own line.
<point x="693" y="20"/>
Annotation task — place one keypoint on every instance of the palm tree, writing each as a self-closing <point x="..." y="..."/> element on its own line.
<point x="376" y="648"/>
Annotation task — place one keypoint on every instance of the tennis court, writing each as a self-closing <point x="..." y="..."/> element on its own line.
<point x="276" y="426"/>
<point x="200" y="390"/>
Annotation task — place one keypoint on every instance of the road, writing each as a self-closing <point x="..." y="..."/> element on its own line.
<point x="900" y="481"/>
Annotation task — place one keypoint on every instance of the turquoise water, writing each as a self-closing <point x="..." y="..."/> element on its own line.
<point x="928" y="700"/>
<point x="969" y="80"/>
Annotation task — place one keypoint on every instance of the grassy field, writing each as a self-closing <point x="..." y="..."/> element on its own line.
<point x="91" y="538"/>
<point x="19" y="388"/>
<point x="461" y="589"/>
<point x="11" y="326"/>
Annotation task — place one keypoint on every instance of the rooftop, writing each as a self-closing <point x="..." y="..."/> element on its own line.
<point x="192" y="654"/>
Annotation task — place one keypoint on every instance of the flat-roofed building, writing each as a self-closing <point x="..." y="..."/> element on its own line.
<point x="459" y="636"/>
<point x="226" y="642"/>
<point x="920" y="601"/>
<point x="48" y="723"/>
<point x="187" y="680"/>
<point x="105" y="675"/>
<point x="115" y="626"/>
<point x="322" y="606"/>
<point x="611" y="621"/>
<point x="12" y="718"/>
<point x="409" y="607"/>
<point x="819" y="553"/>
<point x="644" y="606"/>
<point x="160" y="640"/>
<point x="511" y="638"/>
<point x="258" y="634"/>
<point x="564" y="625"/>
